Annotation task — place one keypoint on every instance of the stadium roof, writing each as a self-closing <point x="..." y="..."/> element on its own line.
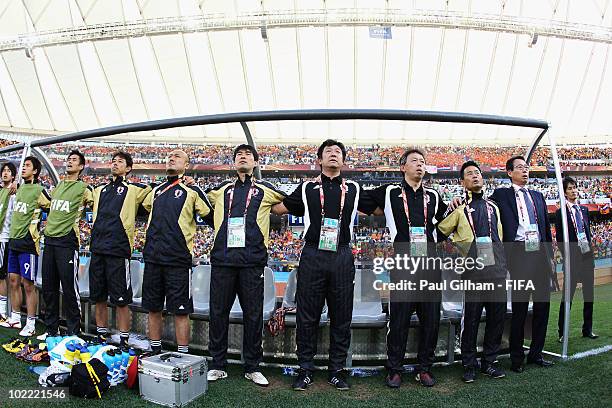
<point x="69" y="65"/>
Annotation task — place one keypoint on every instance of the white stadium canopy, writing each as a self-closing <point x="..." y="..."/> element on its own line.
<point x="72" y="65"/>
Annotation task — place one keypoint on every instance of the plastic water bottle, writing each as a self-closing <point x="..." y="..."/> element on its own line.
<point x="108" y="358"/>
<point x="84" y="353"/>
<point x="69" y="355"/>
<point x="132" y="356"/>
<point x="407" y="369"/>
<point x="363" y="372"/>
<point x="77" y="352"/>
<point x="125" y="358"/>
<point x="117" y="367"/>
<point x="290" y="371"/>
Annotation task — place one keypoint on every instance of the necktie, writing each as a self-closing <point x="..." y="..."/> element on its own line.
<point x="530" y="208"/>
<point x="578" y="216"/>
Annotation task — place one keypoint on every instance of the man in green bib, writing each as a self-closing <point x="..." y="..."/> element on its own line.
<point x="60" y="262"/>
<point x="23" y="245"/>
<point x="7" y="200"/>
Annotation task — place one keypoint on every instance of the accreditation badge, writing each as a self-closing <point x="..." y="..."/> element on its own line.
<point x="328" y="238"/>
<point x="236" y="237"/>
<point x="583" y="243"/>
<point x="532" y="238"/>
<point x="418" y="241"/>
<point x="484" y="248"/>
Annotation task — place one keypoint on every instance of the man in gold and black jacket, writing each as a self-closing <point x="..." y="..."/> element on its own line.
<point x="476" y="231"/>
<point x="168" y="250"/>
<point x="115" y="207"/>
<point x="238" y="257"/>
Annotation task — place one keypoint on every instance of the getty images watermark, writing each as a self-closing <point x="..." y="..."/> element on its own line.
<point x="417" y="273"/>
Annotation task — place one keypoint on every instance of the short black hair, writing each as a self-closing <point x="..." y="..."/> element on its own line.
<point x="12" y="168"/>
<point x="328" y="143"/>
<point x="248" y="147"/>
<point x="125" y="156"/>
<point x="408" y="152"/>
<point x="510" y="162"/>
<point x="469" y="163"/>
<point x="36" y="164"/>
<point x="567" y="180"/>
<point x="76" y="152"/>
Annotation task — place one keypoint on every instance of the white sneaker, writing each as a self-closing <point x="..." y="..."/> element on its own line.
<point x="214" y="375"/>
<point x="258" y="378"/>
<point x="11" y="324"/>
<point x="42" y="337"/>
<point x="28" y="331"/>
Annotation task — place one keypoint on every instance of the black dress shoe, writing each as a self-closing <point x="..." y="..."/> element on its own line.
<point x="393" y="380"/>
<point x="590" y="335"/>
<point x="517" y="368"/>
<point x="541" y="362"/>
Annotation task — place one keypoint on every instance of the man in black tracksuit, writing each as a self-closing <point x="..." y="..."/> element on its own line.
<point x="238" y="257"/>
<point x="477" y="232"/>
<point x="112" y="239"/>
<point x="412" y="211"/>
<point x="168" y="250"/>
<point x="327" y="270"/>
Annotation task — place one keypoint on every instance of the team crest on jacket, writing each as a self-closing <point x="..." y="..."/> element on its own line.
<point x="120" y="190"/>
<point x="178" y="193"/>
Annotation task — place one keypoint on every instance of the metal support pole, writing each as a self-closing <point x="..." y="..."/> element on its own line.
<point x="566" y="247"/>
<point x="564" y="225"/>
<point x="26" y="153"/>
<point x="249" y="138"/>
<point x="46" y="162"/>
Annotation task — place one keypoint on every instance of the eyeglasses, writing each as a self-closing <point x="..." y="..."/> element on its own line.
<point x="522" y="167"/>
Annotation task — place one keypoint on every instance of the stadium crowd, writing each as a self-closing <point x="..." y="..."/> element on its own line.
<point x="362" y="156"/>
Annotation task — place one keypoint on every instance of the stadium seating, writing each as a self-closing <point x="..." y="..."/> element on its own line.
<point x="200" y="282"/>
<point x="367" y="304"/>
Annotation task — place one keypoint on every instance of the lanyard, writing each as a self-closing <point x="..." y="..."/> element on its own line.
<point x="169" y="186"/>
<point x="322" y="199"/>
<point x="471" y="220"/>
<point x="248" y="199"/>
<point x="535" y="210"/>
<point x="573" y="216"/>
<point x="407" y="211"/>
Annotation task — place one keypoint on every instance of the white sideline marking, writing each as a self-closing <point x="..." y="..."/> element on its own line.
<point x="592" y="352"/>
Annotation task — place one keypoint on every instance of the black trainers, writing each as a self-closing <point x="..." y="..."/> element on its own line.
<point x="338" y="380"/>
<point x="426" y="378"/>
<point x="469" y="374"/>
<point x="303" y="381"/>
<point x="492" y="371"/>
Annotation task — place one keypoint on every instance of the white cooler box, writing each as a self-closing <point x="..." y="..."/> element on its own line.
<point x="172" y="379"/>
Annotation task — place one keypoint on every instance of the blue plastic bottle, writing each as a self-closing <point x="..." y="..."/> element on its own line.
<point x="108" y="359"/>
<point x="125" y="358"/>
<point x="117" y="366"/>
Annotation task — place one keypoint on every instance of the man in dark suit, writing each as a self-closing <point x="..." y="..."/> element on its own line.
<point x="527" y="239"/>
<point x="582" y="263"/>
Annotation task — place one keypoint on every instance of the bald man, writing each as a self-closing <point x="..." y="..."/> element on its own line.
<point x="168" y="250"/>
